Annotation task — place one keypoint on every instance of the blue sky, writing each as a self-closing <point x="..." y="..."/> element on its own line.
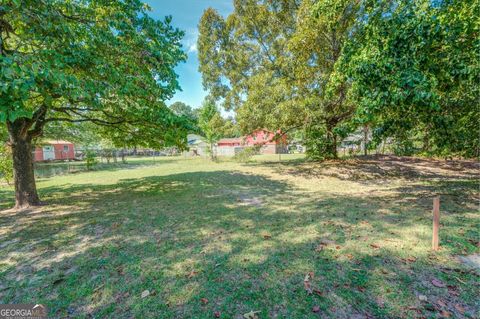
<point x="186" y="15"/>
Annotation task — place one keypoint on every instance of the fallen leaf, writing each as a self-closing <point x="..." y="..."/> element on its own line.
<point x="374" y="246"/>
<point x="267" y="236"/>
<point x="204" y="301"/>
<point x="422" y="298"/>
<point x="315" y="309"/>
<point x="192" y="274"/>
<point x="306" y="282"/>
<point x="438" y="283"/>
<point x="459" y="308"/>
<point x="217" y="314"/>
<point x="145" y="293"/>
<point x="251" y="315"/>
<point x="411" y="259"/>
<point x="361" y="289"/>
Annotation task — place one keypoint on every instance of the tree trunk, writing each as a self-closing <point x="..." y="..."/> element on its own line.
<point x="212" y="155"/>
<point x="333" y="149"/>
<point x="331" y="146"/>
<point x="24" y="179"/>
<point x="123" y="156"/>
<point x="365" y="140"/>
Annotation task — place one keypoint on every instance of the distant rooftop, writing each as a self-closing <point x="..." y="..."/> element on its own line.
<point x="231" y="140"/>
<point x="56" y="142"/>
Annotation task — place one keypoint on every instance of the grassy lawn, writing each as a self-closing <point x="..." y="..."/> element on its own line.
<point x="294" y="239"/>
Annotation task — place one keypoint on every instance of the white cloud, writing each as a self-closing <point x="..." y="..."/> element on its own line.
<point x="190" y="40"/>
<point x="192" y="48"/>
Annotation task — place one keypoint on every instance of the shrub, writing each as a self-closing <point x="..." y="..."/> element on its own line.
<point x="403" y="147"/>
<point x="246" y="153"/>
<point x="91" y="159"/>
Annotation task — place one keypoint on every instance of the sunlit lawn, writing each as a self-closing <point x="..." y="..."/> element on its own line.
<point x="222" y="239"/>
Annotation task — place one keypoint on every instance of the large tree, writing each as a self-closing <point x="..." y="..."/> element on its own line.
<point x="274" y="62"/>
<point x="323" y="28"/>
<point x="182" y="109"/>
<point x="189" y="114"/>
<point x="100" y="61"/>
<point x="211" y="123"/>
<point x="414" y="68"/>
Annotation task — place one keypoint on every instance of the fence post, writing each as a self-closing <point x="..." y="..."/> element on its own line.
<point x="436" y="222"/>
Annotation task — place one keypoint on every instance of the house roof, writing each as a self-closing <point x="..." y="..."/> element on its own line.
<point x="56" y="142"/>
<point x="196" y="142"/>
<point x="193" y="137"/>
<point x="230" y="140"/>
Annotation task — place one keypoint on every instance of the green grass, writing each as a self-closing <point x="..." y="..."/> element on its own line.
<point x="50" y="169"/>
<point x="243" y="237"/>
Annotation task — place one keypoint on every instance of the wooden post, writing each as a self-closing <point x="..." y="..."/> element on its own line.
<point x="436" y="222"/>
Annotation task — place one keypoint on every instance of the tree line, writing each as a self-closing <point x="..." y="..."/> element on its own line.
<point x="404" y="71"/>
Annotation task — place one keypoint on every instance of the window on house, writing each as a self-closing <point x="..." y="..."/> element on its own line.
<point x="65" y="148"/>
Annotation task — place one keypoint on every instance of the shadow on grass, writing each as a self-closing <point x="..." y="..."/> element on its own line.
<point x="241" y="241"/>
<point x="373" y="169"/>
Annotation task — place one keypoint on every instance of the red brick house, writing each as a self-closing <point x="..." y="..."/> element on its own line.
<point x="271" y="144"/>
<point x="230" y="142"/>
<point x="54" y="151"/>
<point x="268" y="141"/>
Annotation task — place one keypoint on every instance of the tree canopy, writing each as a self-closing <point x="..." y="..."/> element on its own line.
<point x="105" y="62"/>
<point x="402" y="69"/>
<point x="415" y="72"/>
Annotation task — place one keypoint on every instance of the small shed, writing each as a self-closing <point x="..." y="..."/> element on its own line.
<point x="54" y="151"/>
<point x="197" y="146"/>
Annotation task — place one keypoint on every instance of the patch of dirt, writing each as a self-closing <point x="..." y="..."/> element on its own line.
<point x="250" y="201"/>
<point x="380" y="167"/>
